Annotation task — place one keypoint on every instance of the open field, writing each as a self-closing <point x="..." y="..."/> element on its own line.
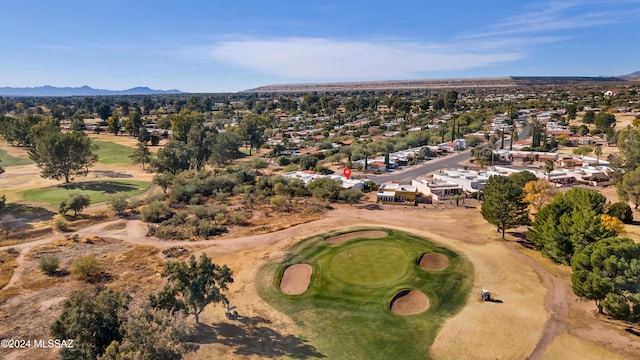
<point x="98" y="191"/>
<point x="346" y="309"/>
<point x="112" y="153"/>
<point x="8" y="160"/>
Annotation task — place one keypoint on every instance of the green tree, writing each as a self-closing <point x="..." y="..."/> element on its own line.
<point x="572" y="111"/>
<point x="597" y="150"/>
<point x="483" y="154"/>
<point x="76" y="202"/>
<point x="104" y="111"/>
<point x="521" y="178"/>
<point x="199" y="282"/>
<point x="113" y="124"/>
<point x="568" y="223"/>
<point x="251" y="132"/>
<point x="589" y="117"/>
<point x="133" y="123"/>
<point x="629" y="148"/>
<point x="141" y="154"/>
<point x="182" y="122"/>
<point x="225" y="148"/>
<point x="164" y="180"/>
<point x="549" y="165"/>
<point x="93" y="319"/>
<point x="609" y="266"/>
<point x="200" y="140"/>
<point x="604" y="121"/>
<point x="351" y="196"/>
<point x="629" y="188"/>
<point x="149" y="334"/>
<point x="60" y="155"/>
<point x="503" y="204"/>
<point x="325" y="188"/>
<point x="118" y="203"/>
<point x="622" y="211"/>
<point x="174" y="157"/>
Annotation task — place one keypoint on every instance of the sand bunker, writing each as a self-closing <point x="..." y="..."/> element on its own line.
<point x="369" y="234"/>
<point x="409" y="302"/>
<point x="295" y="279"/>
<point x="433" y="261"/>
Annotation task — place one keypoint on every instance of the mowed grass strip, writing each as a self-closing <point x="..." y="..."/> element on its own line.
<point x="345" y="320"/>
<point x="96" y="190"/>
<point x="112" y="153"/>
<point x="8" y="160"/>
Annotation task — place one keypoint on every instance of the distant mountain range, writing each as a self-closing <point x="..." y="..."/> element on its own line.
<point x="80" y="91"/>
<point x="506" y="81"/>
<point x="632" y="76"/>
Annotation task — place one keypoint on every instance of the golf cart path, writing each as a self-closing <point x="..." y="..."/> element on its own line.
<point x="556" y="302"/>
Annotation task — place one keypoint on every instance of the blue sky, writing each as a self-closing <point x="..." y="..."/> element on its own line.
<point x="219" y="46"/>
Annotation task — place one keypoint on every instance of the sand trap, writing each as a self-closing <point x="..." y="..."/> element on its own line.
<point x="295" y="279"/>
<point x="409" y="302"/>
<point x="370" y="234"/>
<point x="433" y="261"/>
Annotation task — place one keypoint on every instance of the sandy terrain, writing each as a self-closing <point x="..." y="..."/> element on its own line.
<point x="372" y="234"/>
<point x="413" y="302"/>
<point x="295" y="279"/>
<point x="433" y="261"/>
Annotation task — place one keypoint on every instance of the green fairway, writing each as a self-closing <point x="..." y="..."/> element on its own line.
<point x="345" y="312"/>
<point x="96" y="190"/>
<point x="112" y="153"/>
<point x="8" y="160"/>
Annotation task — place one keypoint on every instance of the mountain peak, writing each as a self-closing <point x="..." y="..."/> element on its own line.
<point x="85" y="90"/>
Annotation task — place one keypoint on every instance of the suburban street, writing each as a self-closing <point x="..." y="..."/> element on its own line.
<point x="405" y="176"/>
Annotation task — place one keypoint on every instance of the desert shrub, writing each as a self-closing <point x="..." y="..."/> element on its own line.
<point x="174" y="251"/>
<point x="221" y="196"/>
<point x="622" y="211"/>
<point x="152" y="198"/>
<point x="60" y="223"/>
<point x="12" y="251"/>
<point x="76" y="202"/>
<point x="86" y="268"/>
<point x="179" y="218"/>
<point x="322" y="170"/>
<point x="283" y="161"/>
<point x="205" y="229"/>
<point x="118" y="203"/>
<point x="290" y="168"/>
<point x="238" y="218"/>
<point x="280" y="202"/>
<point x="156" y="212"/>
<point x="257" y="163"/>
<point x="245" y="176"/>
<point x="49" y="264"/>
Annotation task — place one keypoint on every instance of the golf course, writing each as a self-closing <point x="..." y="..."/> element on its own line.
<point x="368" y="295"/>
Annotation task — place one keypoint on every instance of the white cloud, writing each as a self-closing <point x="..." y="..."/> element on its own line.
<point x="319" y="58"/>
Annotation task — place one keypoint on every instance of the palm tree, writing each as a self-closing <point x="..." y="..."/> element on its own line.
<point x="598" y="151"/>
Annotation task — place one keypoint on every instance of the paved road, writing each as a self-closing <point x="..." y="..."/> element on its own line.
<point x="405" y="176"/>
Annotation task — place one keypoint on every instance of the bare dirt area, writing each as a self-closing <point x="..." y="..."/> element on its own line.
<point x="372" y="234"/>
<point x="410" y="302"/>
<point x="295" y="279"/>
<point x="432" y="261"/>
<point x="529" y="320"/>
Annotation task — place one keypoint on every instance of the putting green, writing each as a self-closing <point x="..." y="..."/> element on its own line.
<point x="345" y="312"/>
<point x="367" y="263"/>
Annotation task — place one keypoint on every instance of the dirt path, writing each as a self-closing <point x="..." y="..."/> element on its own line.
<point x="557" y="302"/>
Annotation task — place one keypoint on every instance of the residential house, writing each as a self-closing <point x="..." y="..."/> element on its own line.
<point x="437" y="190"/>
<point x="396" y="194"/>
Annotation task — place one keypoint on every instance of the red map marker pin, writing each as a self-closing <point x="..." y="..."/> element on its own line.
<point x="347" y="173"/>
